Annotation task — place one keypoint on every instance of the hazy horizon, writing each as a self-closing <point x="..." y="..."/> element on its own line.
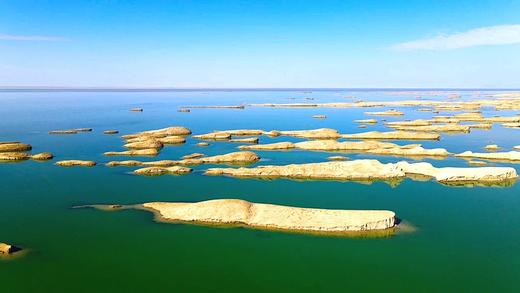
<point x="72" y="88"/>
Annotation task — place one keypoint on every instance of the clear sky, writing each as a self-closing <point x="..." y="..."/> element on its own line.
<point x="197" y="43"/>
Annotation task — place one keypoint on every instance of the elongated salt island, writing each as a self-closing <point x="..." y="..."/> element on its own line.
<point x="373" y="170"/>
<point x="71" y="163"/>
<point x="276" y="217"/>
<point x="14" y="146"/>
<point x="512" y="156"/>
<point x="391" y="135"/>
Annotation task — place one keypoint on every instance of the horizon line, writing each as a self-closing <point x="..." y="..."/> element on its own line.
<point x="166" y="89"/>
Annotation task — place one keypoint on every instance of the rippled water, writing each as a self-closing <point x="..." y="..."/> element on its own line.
<point x="466" y="239"/>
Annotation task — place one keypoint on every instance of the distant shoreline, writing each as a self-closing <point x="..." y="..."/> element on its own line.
<point x="102" y="89"/>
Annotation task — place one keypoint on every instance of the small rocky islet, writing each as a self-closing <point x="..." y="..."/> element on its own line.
<point x="7" y="250"/>
<point x="70" y="131"/>
<point x="149" y="143"/>
<point x="18" y="151"/>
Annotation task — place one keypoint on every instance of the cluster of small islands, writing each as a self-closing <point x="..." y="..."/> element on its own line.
<point x="310" y="220"/>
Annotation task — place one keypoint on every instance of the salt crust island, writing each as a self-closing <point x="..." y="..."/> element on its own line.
<point x="214" y="107"/>
<point x="72" y="163"/>
<point x="320" y="133"/>
<point x="391" y="135"/>
<point x="17" y="151"/>
<point x="14" y="146"/>
<point x="369" y="146"/>
<point x="512" y="156"/>
<point x="158" y="171"/>
<point x="435" y="128"/>
<point x="366" y="121"/>
<point x="193" y="156"/>
<point x="20" y="156"/>
<point x="111" y="131"/>
<point x="338" y="158"/>
<point x="230" y="158"/>
<point x="477" y="163"/>
<point x="492" y="147"/>
<point x="429" y="125"/>
<point x="238" y="212"/>
<point x="149" y="143"/>
<point x="498" y="101"/>
<point x="8" y="249"/>
<point x="370" y="170"/>
<point x="385" y="113"/>
<point x="70" y="131"/>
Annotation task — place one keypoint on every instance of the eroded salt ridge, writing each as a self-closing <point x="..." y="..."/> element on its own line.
<point x="368" y="146"/>
<point x="18" y="151"/>
<point x="269" y="216"/>
<point x="150" y="142"/>
<point x="373" y="170"/>
<point x="230" y="158"/>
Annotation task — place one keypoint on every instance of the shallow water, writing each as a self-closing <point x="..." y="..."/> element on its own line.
<point x="466" y="239"/>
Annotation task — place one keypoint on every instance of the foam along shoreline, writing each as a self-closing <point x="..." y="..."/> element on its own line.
<point x="237" y="212"/>
<point x="373" y="170"/>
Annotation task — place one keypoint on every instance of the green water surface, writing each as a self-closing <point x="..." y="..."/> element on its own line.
<point x="466" y="239"/>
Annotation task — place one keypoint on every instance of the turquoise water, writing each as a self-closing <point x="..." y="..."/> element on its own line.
<point x="466" y="239"/>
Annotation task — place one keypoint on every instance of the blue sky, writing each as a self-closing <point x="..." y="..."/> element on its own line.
<point x="260" y="43"/>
